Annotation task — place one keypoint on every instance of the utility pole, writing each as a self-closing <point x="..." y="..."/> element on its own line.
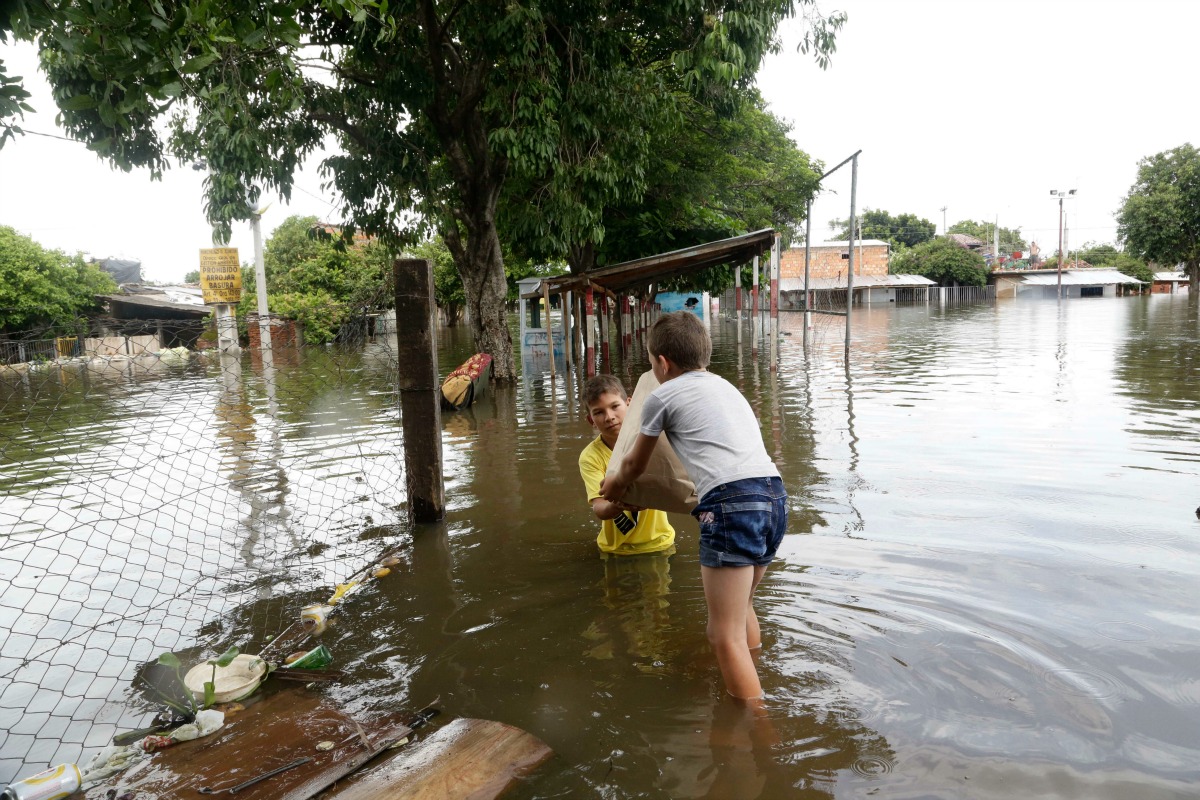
<point x="944" y="231"/>
<point x="260" y="280"/>
<point x="1061" y="194"/>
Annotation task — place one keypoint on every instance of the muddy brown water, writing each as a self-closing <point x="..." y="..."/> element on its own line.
<point x="987" y="590"/>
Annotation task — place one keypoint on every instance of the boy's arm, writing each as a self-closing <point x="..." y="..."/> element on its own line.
<point x="633" y="465"/>
<point x="603" y="509"/>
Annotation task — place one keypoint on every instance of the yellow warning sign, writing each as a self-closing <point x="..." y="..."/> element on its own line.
<point x="220" y="275"/>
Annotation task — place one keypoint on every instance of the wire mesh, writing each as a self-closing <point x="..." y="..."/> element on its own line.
<point x="159" y="496"/>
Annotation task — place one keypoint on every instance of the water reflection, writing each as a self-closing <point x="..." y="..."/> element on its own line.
<point x="1010" y="615"/>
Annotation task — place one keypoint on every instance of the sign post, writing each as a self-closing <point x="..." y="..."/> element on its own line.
<point x="221" y="282"/>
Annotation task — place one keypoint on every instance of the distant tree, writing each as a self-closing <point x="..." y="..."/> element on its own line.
<point x="1105" y="255"/>
<point x="1159" y="220"/>
<point x="943" y="261"/>
<point x="192" y="277"/>
<point x="40" y="287"/>
<point x="314" y="281"/>
<point x="447" y="285"/>
<point x="1010" y="238"/>
<point x="907" y="230"/>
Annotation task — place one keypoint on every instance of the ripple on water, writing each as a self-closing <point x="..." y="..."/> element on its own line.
<point x="1123" y="631"/>
<point x="1083" y="683"/>
<point x="872" y="767"/>
<point x="1184" y="689"/>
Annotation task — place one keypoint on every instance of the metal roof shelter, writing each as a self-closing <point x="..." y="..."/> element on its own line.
<point x="637" y="278"/>
<point x="638" y="275"/>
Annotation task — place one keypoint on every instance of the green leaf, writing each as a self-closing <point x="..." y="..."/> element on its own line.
<point x="173" y="89"/>
<point x="210" y="693"/>
<point x="198" y="63"/>
<point x="226" y="658"/>
<point x="169" y="660"/>
<point x="79" y="102"/>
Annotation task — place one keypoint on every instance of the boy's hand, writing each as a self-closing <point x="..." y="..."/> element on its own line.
<point x="613" y="489"/>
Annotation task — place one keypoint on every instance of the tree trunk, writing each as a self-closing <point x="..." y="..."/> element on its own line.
<point x="1193" y="276"/>
<point x="481" y="266"/>
<point x="469" y="226"/>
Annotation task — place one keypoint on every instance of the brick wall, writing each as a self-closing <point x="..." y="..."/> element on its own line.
<point x="827" y="262"/>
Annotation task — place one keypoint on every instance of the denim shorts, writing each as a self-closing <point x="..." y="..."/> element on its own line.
<point x="742" y="522"/>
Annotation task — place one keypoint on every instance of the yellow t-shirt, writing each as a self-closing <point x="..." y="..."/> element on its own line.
<point x="647" y="531"/>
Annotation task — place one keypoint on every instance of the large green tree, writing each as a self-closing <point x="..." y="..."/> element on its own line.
<point x="45" y="288"/>
<point x="943" y="261"/>
<point x="901" y="230"/>
<point x="432" y="104"/>
<point x="716" y="173"/>
<point x="1159" y="220"/>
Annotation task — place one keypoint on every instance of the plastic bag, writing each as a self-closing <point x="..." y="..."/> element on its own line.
<point x="665" y="484"/>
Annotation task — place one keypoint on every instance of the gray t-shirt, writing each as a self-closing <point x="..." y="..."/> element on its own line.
<point x="711" y="427"/>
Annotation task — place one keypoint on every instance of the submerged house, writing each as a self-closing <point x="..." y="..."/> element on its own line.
<point x="829" y="273"/>
<point x="1169" y="282"/>
<point x="1076" y="282"/>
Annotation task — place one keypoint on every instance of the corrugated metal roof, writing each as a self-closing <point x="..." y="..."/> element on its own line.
<point x="1170" y="276"/>
<point x="860" y="282"/>
<point x="1083" y="277"/>
<point x="638" y="274"/>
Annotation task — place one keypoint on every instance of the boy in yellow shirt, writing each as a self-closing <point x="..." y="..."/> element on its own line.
<point x="624" y="530"/>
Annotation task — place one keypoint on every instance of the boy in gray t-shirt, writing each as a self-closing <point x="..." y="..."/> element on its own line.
<point x="743" y="506"/>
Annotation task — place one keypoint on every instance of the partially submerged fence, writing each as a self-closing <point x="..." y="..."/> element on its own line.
<point x="156" y="498"/>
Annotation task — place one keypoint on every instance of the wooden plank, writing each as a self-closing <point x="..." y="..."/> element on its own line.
<point x="276" y="730"/>
<point x="468" y="758"/>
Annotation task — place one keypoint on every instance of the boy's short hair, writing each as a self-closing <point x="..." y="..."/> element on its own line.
<point x="680" y="337"/>
<point x="598" y="385"/>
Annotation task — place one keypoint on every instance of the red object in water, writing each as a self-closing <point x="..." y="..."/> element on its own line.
<point x="1016" y="254"/>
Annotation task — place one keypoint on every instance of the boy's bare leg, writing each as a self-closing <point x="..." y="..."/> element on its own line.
<point x="753" y="634"/>
<point x="727" y="592"/>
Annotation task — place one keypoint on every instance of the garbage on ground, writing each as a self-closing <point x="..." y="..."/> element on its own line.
<point x="235" y="681"/>
<point x="117" y="758"/>
<point x="55" y="782"/>
<point x="316" y="658"/>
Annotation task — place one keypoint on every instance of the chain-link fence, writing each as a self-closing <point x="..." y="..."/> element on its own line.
<point x="159" y="496"/>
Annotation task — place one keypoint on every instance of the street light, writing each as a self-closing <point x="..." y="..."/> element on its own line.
<point x="1061" y="194"/>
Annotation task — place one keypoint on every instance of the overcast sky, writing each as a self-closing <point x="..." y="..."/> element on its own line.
<point x="981" y="106"/>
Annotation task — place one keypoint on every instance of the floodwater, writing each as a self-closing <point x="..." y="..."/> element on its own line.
<point x="987" y="590"/>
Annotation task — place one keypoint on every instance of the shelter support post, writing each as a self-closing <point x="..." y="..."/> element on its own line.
<point x="754" y="291"/>
<point x="589" y="311"/>
<point x="420" y="411"/>
<point x="850" y="268"/>
<point x="807" y="261"/>
<point x="568" y="329"/>
<point x="737" y="291"/>
<point x="549" y="328"/>
<point x="776" y="255"/>
<point x="564" y="305"/>
<point x="605" y="332"/>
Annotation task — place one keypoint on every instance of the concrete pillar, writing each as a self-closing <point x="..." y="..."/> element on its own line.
<point x="420" y="409"/>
